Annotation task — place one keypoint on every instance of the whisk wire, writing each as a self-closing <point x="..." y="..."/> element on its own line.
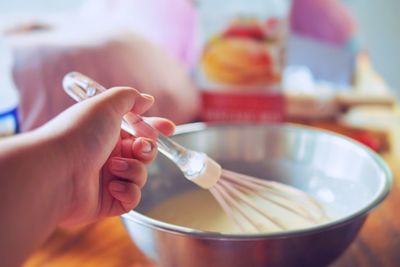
<point x="243" y="198"/>
<point x="216" y="192"/>
<point x="239" y="209"/>
<point x="299" y="202"/>
<point x="263" y="192"/>
<point x="286" y="204"/>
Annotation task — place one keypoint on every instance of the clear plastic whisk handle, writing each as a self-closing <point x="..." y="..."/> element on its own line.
<point x="81" y="87"/>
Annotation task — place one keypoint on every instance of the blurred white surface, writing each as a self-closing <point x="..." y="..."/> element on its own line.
<point x="36" y="7"/>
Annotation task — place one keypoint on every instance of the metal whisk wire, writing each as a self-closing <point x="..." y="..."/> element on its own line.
<point x="235" y="192"/>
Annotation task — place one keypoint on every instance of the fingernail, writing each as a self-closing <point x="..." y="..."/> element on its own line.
<point x="119" y="165"/>
<point x="147" y="147"/>
<point x="147" y="96"/>
<point x="117" y="187"/>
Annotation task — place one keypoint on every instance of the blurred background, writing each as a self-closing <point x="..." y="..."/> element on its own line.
<point x="338" y="64"/>
<point x="379" y="36"/>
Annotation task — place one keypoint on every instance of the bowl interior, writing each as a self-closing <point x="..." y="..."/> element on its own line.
<point x="344" y="176"/>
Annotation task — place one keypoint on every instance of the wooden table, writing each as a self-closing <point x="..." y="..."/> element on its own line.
<point x="107" y="244"/>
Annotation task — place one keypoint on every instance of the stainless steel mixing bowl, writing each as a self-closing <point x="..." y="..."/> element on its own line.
<point x="343" y="175"/>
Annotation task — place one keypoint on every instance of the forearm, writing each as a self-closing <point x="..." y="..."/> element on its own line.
<point x="33" y="193"/>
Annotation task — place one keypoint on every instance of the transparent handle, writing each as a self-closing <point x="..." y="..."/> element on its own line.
<point x="81" y="87"/>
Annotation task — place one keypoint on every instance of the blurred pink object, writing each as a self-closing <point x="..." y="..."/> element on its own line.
<point x="326" y="20"/>
<point x="114" y="59"/>
<point x="172" y="24"/>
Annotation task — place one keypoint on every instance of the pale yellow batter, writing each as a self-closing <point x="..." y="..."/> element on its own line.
<point x="199" y="210"/>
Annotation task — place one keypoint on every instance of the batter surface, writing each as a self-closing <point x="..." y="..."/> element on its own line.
<point x="199" y="210"/>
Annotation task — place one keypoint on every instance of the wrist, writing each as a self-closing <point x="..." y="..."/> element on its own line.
<point x="34" y="189"/>
<point x="56" y="169"/>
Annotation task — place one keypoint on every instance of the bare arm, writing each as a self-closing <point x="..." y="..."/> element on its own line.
<point x="33" y="193"/>
<point x="75" y="169"/>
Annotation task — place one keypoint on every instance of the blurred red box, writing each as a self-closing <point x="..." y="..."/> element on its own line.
<point x="242" y="107"/>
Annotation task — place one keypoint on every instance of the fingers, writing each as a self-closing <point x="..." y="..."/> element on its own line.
<point x="127" y="193"/>
<point x="142" y="128"/>
<point x="163" y="125"/>
<point x="130" y="170"/>
<point x="143" y="149"/>
<point x="132" y="176"/>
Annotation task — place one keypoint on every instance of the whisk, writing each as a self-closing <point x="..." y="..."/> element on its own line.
<point x="233" y="191"/>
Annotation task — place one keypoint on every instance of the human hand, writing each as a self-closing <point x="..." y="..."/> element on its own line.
<point x="104" y="167"/>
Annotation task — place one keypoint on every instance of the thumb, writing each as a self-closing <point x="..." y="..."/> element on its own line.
<point x="119" y="99"/>
<point x="124" y="99"/>
<point x="101" y="110"/>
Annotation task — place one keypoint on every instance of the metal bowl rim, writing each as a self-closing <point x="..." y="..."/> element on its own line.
<point x="381" y="194"/>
